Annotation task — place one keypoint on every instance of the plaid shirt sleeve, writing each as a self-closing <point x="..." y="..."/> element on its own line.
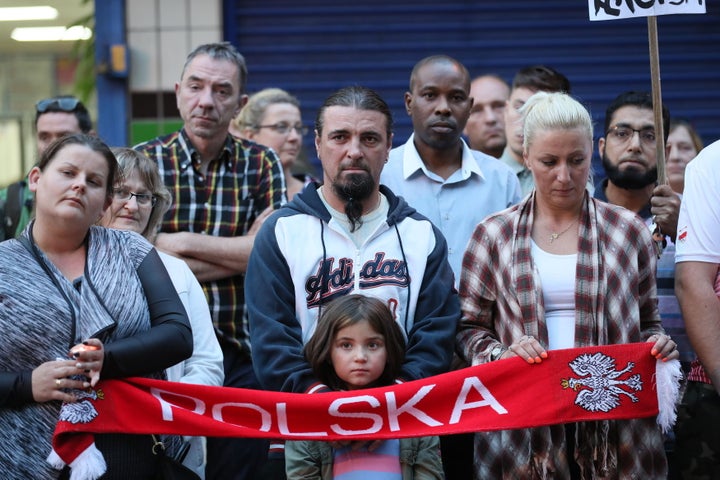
<point x="271" y="181"/>
<point x="650" y="322"/>
<point x="478" y="292"/>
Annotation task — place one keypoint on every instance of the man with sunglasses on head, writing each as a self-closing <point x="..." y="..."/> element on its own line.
<point x="55" y="118"/>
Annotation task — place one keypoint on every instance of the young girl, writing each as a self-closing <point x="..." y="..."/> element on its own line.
<point x="358" y="344"/>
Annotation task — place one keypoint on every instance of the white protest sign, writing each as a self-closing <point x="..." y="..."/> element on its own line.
<point x="615" y="9"/>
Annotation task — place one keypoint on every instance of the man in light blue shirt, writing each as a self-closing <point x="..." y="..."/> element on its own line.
<point x="435" y="171"/>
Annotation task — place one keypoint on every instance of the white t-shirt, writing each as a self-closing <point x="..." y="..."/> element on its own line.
<point x="557" y="281"/>
<point x="698" y="237"/>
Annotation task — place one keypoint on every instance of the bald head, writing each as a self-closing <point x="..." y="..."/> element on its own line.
<point x="438" y="60"/>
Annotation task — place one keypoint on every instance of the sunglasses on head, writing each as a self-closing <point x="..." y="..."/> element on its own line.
<point x="64" y="104"/>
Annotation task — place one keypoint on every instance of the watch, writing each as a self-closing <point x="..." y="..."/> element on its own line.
<point x="497" y="352"/>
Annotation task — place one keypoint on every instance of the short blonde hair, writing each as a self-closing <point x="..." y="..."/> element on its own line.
<point x="251" y="115"/>
<point x="553" y="111"/>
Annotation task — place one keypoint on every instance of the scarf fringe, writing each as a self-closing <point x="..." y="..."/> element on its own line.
<point x="667" y="380"/>
<point x="89" y="465"/>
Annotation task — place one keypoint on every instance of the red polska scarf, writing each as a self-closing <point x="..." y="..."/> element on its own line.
<point x="572" y="385"/>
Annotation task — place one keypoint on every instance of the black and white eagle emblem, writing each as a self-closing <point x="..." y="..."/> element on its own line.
<point x="82" y="411"/>
<point x="600" y="386"/>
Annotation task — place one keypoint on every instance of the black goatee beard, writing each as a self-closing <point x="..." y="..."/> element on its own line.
<point x="629" y="179"/>
<point x="358" y="187"/>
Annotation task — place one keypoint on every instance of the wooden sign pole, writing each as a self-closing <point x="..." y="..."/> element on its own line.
<point x="657" y="98"/>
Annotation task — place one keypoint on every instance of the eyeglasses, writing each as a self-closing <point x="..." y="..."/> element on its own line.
<point x="143" y="199"/>
<point x="64" y="104"/>
<point x="284" y="128"/>
<point x="623" y="134"/>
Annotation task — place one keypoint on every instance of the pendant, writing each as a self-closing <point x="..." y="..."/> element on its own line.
<point x="554" y="236"/>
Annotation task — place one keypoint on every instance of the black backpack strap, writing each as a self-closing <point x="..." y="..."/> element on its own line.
<point x="3" y="234"/>
<point x="13" y="206"/>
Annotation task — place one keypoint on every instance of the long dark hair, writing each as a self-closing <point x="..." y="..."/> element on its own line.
<point x="344" y="312"/>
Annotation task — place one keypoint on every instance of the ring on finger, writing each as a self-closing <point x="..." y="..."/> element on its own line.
<point x="58" y="382"/>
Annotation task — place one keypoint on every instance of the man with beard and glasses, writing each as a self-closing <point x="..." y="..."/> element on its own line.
<point x="454" y="186"/>
<point x="629" y="157"/>
<point x="348" y="235"/>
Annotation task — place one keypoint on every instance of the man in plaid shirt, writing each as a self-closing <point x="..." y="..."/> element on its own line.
<point x="222" y="189"/>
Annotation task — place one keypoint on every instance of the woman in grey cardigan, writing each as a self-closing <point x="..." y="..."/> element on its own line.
<point x="65" y="283"/>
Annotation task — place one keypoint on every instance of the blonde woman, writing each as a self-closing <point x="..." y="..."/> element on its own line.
<point x="562" y="270"/>
<point x="272" y="118"/>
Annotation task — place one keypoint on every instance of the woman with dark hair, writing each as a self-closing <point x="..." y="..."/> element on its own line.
<point x="78" y="303"/>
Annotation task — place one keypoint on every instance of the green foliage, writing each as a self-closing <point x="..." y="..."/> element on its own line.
<point x="84" y="52"/>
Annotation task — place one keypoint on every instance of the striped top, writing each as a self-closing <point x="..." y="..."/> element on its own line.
<point x="383" y="463"/>
<point x="242" y="182"/>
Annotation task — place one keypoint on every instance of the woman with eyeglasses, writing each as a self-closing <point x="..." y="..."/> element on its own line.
<point x="272" y="118"/>
<point x="562" y="270"/>
<point x="139" y="202"/>
<point x="78" y="303"/>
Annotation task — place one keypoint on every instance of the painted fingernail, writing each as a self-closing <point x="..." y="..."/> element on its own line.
<point x="530" y="360"/>
<point x="653" y="351"/>
<point x="543" y="354"/>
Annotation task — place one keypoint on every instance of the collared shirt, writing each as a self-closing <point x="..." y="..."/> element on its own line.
<point x="481" y="186"/>
<point x="523" y="174"/>
<point x="238" y="186"/>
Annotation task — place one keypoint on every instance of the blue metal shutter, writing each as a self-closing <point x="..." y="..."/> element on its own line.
<point x="314" y="49"/>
